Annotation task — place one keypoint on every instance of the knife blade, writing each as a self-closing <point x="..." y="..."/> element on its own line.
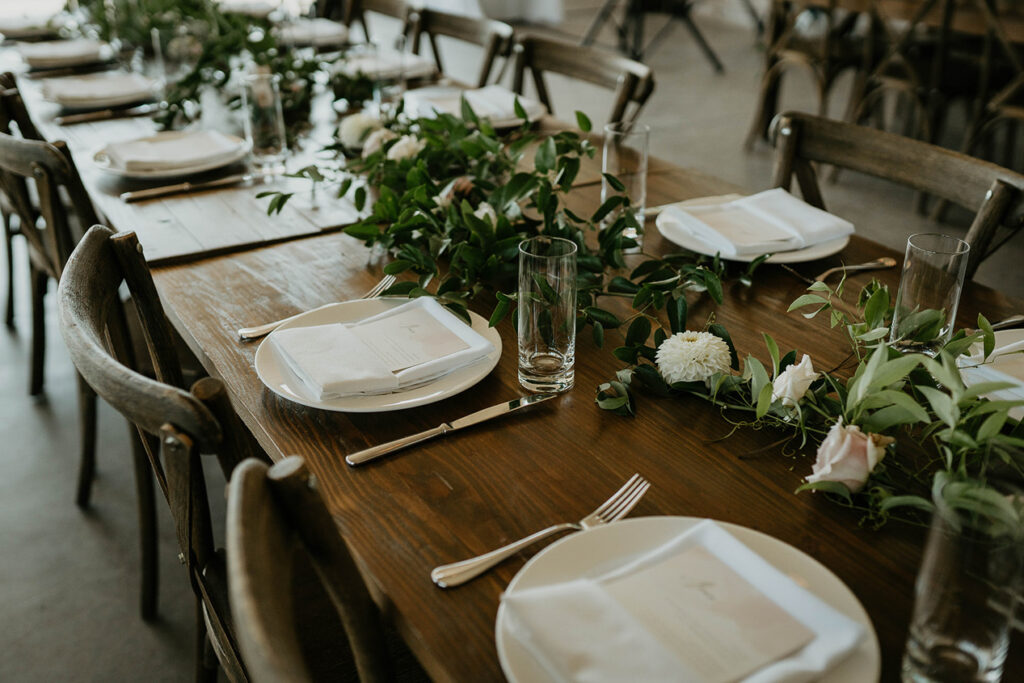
<point x="182" y="188"/>
<point x="106" y="114"/>
<point x="479" y="416"/>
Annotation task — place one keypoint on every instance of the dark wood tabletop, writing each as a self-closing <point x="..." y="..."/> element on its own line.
<point x="456" y="497"/>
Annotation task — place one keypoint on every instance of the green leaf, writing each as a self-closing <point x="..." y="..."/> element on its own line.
<point x="807" y="300"/>
<point x="499" y="313"/>
<point x="833" y="487"/>
<point x="546" y="154"/>
<point x="651" y="380"/>
<point x="398" y="266"/>
<point x="722" y="333"/>
<point x="990" y="336"/>
<point x="621" y="285"/>
<point x="638" y="332"/>
<point x="598" y="334"/>
<point x="519" y="110"/>
<point x="773" y="352"/>
<point x="907" y="501"/>
<point x="607" y="207"/>
<point x="942" y="405"/>
<point x="677" y="311"/>
<point x="546" y="290"/>
<point x="614" y="182"/>
<point x="602" y="316"/>
<point x="764" y="401"/>
<point x="615" y="396"/>
<point x="583" y="122"/>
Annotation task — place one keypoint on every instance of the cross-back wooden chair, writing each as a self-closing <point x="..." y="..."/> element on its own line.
<point x="994" y="195"/>
<point x="349" y="12"/>
<point x="495" y="37"/>
<point x="277" y="524"/>
<point x="171" y="426"/>
<point x="631" y="81"/>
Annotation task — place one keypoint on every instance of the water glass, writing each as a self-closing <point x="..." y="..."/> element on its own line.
<point x="389" y="88"/>
<point x="264" y="122"/>
<point x="929" y="293"/>
<point x="966" y="592"/>
<point x="547" y="313"/>
<point x="624" y="156"/>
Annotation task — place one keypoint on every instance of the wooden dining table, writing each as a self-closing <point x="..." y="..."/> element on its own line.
<point x="465" y="494"/>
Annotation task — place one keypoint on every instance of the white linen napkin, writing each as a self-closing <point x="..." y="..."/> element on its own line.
<point x="493" y="102"/>
<point x="56" y="53"/>
<point x="580" y="631"/>
<point x="172" y="152"/>
<point x="388" y="64"/>
<point x="316" y="32"/>
<point x="1006" y="364"/>
<point x="25" y="26"/>
<point x="77" y="91"/>
<point x="375" y="355"/>
<point x="767" y="222"/>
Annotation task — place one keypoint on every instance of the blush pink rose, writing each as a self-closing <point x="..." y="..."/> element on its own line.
<point x="848" y="456"/>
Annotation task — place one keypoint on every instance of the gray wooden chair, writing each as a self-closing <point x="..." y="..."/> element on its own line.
<point x="631" y="81"/>
<point x="994" y="195"/>
<point x="278" y="525"/>
<point x="495" y="37"/>
<point x="349" y="12"/>
<point x="172" y="426"/>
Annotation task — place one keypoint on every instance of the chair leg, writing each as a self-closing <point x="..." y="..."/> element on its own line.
<point x="9" y="250"/>
<point x="39" y="280"/>
<point x="702" y="42"/>
<point x="87" y="431"/>
<point x="204" y="672"/>
<point x="767" y="105"/>
<point x="147" y="527"/>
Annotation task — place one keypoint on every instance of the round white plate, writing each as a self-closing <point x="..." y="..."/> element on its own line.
<point x="598" y="550"/>
<point x="811" y="253"/>
<point x="102" y="161"/>
<point x="283" y="382"/>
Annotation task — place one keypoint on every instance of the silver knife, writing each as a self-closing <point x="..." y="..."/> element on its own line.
<point x="182" y="188"/>
<point x="445" y="427"/>
<point x="105" y="114"/>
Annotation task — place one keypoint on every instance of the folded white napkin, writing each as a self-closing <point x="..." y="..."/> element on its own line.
<point x="387" y="65"/>
<point x="316" y="32"/>
<point x="767" y="222"/>
<point x="342" y="360"/>
<point x="79" y="91"/>
<point x="25" y="26"/>
<point x="252" y="8"/>
<point x="579" y="631"/>
<point x="167" y="153"/>
<point x="1006" y="364"/>
<point x="57" y="53"/>
<point x="493" y="102"/>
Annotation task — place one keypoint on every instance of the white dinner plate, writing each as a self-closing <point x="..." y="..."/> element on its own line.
<point x="448" y="99"/>
<point x="128" y="94"/>
<point x="102" y="161"/>
<point x="279" y="378"/>
<point x="597" y="551"/>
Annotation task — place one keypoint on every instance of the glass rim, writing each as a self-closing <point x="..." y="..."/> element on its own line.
<point x="627" y="128"/>
<point x="554" y="240"/>
<point x="962" y="247"/>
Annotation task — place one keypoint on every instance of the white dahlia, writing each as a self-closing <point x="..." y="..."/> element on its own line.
<point x="692" y="357"/>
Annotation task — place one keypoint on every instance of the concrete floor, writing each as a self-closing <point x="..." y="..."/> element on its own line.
<point x="69" y="579"/>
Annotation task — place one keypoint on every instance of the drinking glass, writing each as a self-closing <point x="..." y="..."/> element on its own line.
<point x="929" y="293"/>
<point x="967" y="588"/>
<point x="625" y="157"/>
<point x="264" y="122"/>
<point x="547" y="313"/>
<point x="389" y="88"/>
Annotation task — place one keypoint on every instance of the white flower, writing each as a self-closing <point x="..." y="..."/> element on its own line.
<point x="486" y="213"/>
<point x="793" y="382"/>
<point x="406" y="147"/>
<point x="848" y="456"/>
<point x="692" y="357"/>
<point x="355" y="128"/>
<point x="376" y="140"/>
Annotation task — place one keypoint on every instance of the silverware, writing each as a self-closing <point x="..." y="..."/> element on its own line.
<point x="250" y="333"/>
<point x="613" y="509"/>
<point x="877" y="264"/>
<point x="1009" y="323"/>
<point x="183" y="188"/>
<point x="105" y="114"/>
<point x="445" y="427"/>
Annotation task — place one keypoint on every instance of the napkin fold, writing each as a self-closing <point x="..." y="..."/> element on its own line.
<point x="58" y="53"/>
<point x="172" y="152"/>
<point x="16" y="27"/>
<point x="80" y="91"/>
<point x="579" y="631"/>
<point x="388" y="64"/>
<point x="316" y="32"/>
<point x="767" y="222"/>
<point x="493" y="102"/>
<point x="339" y="360"/>
<point x="1006" y="364"/>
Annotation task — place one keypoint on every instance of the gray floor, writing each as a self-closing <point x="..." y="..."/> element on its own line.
<point x="69" y="580"/>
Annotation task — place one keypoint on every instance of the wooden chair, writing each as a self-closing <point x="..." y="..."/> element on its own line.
<point x="277" y="525"/>
<point x="992" y="193"/>
<point x="350" y="11"/>
<point x="172" y="427"/>
<point x="495" y="37"/>
<point x="631" y="81"/>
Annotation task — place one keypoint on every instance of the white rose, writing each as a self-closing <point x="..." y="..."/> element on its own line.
<point x="848" y="456"/>
<point x="376" y="140"/>
<point x="355" y="128"/>
<point x="486" y="213"/>
<point x="406" y="147"/>
<point x="793" y="382"/>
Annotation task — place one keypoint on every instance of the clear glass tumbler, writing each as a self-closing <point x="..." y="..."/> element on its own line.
<point x="547" y="314"/>
<point x="967" y="588"/>
<point x="624" y="156"/>
<point x="929" y="293"/>
<point x="264" y="123"/>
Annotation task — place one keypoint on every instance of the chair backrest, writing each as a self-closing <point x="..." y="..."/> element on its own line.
<point x="995" y="195"/>
<point x="350" y="11"/>
<point x="175" y="426"/>
<point x="631" y="81"/>
<point x="276" y="516"/>
<point x="495" y="37"/>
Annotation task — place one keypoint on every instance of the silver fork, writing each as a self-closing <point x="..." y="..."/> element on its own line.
<point x="250" y="333"/>
<point x="613" y="509"/>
